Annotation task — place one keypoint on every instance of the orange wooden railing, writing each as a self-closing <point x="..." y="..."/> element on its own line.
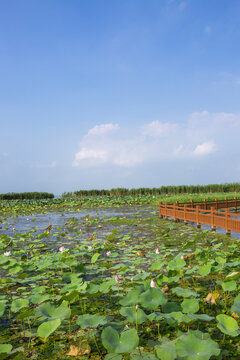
<point x="217" y="204"/>
<point x="222" y="219"/>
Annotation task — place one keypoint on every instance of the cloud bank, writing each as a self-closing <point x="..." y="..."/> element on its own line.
<point x="200" y="136"/>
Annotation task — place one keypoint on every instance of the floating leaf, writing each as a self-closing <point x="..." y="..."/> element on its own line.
<point x="132" y="315"/>
<point x="5" y="348"/>
<point x="152" y="298"/>
<point x="229" y="285"/>
<point x="125" y="343"/>
<point x="166" y="351"/>
<point x="205" y="269"/>
<point x="19" y="304"/>
<point x="2" y="308"/>
<point x="51" y="312"/>
<point x="132" y="298"/>
<point x="184" y="292"/>
<point x="92" y="321"/>
<point x="47" y="328"/>
<point x="94" y="258"/>
<point x="190" y="347"/>
<point x="227" y="325"/>
<point x="236" y="305"/>
<point x="190" y="306"/>
<point x="157" y="265"/>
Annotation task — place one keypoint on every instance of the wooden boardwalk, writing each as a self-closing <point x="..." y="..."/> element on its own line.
<point x="200" y="213"/>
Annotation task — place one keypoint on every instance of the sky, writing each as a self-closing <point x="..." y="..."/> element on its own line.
<point x="118" y="93"/>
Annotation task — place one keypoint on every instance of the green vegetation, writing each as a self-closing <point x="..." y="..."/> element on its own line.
<point x="26" y="195"/>
<point x="163" y="190"/>
<point x="115" y="287"/>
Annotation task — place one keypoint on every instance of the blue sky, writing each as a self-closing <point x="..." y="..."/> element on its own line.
<point x="102" y="94"/>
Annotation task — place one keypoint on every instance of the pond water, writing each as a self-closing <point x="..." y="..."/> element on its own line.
<point x="38" y="222"/>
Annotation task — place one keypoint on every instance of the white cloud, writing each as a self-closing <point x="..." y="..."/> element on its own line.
<point x="205" y="148"/>
<point x="157" y="128"/>
<point x="103" y="129"/>
<point x="200" y="135"/>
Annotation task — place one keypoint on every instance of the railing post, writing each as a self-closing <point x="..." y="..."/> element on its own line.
<point x="160" y="210"/>
<point x="166" y="217"/>
<point x="226" y="202"/>
<point x="216" y="203"/>
<point x="185" y="214"/>
<point x="192" y="204"/>
<point x="227" y="217"/>
<point x="197" y="217"/>
<point x="205" y="204"/>
<point x="212" y="219"/>
<point x="235" y="200"/>
<point x="175" y="212"/>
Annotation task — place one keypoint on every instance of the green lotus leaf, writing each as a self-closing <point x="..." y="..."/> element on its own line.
<point x="91" y="321"/>
<point x="49" y="311"/>
<point x="113" y="357"/>
<point x="125" y="343"/>
<point x="178" y="316"/>
<point x="132" y="298"/>
<point x="229" y="285"/>
<point x="166" y="351"/>
<point x="152" y="298"/>
<point x="201" y="317"/>
<point x="94" y="258"/>
<point x="236" y="305"/>
<point x="38" y="298"/>
<point x="205" y="269"/>
<point x="133" y="316"/>
<point x="227" y="325"/>
<point x="2" y="308"/>
<point x="177" y="263"/>
<point x="184" y="292"/>
<point x="190" y="347"/>
<point x="19" y="304"/>
<point x="48" y="327"/>
<point x="190" y="306"/>
<point x="171" y="307"/>
<point x="157" y="265"/>
<point x="5" y="348"/>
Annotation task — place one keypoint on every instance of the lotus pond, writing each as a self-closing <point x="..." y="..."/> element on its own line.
<point x="114" y="283"/>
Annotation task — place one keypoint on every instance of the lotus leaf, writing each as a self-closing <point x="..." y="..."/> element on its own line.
<point x="47" y="328"/>
<point x="91" y="321"/>
<point x="133" y="316"/>
<point x="190" y="347"/>
<point x="227" y="325"/>
<point x="49" y="311"/>
<point x="125" y="343"/>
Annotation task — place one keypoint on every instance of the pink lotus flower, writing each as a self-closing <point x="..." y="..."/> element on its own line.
<point x="7" y="253"/>
<point x="117" y="279"/>
<point x="62" y="249"/>
<point x="182" y="257"/>
<point x="157" y="251"/>
<point x="108" y="253"/>
<point x="153" y="285"/>
<point x="90" y="247"/>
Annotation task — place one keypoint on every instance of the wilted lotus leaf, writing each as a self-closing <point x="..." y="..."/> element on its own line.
<point x="210" y="299"/>
<point x="79" y="349"/>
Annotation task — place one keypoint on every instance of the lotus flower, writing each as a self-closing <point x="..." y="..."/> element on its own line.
<point x="153" y="284"/>
<point x="7" y="253"/>
<point x="90" y="247"/>
<point x="157" y="251"/>
<point x="62" y="249"/>
<point x="116" y="278"/>
<point x="108" y="253"/>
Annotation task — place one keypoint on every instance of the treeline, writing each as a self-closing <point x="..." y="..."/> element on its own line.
<point x="163" y="190"/>
<point x="26" y="196"/>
